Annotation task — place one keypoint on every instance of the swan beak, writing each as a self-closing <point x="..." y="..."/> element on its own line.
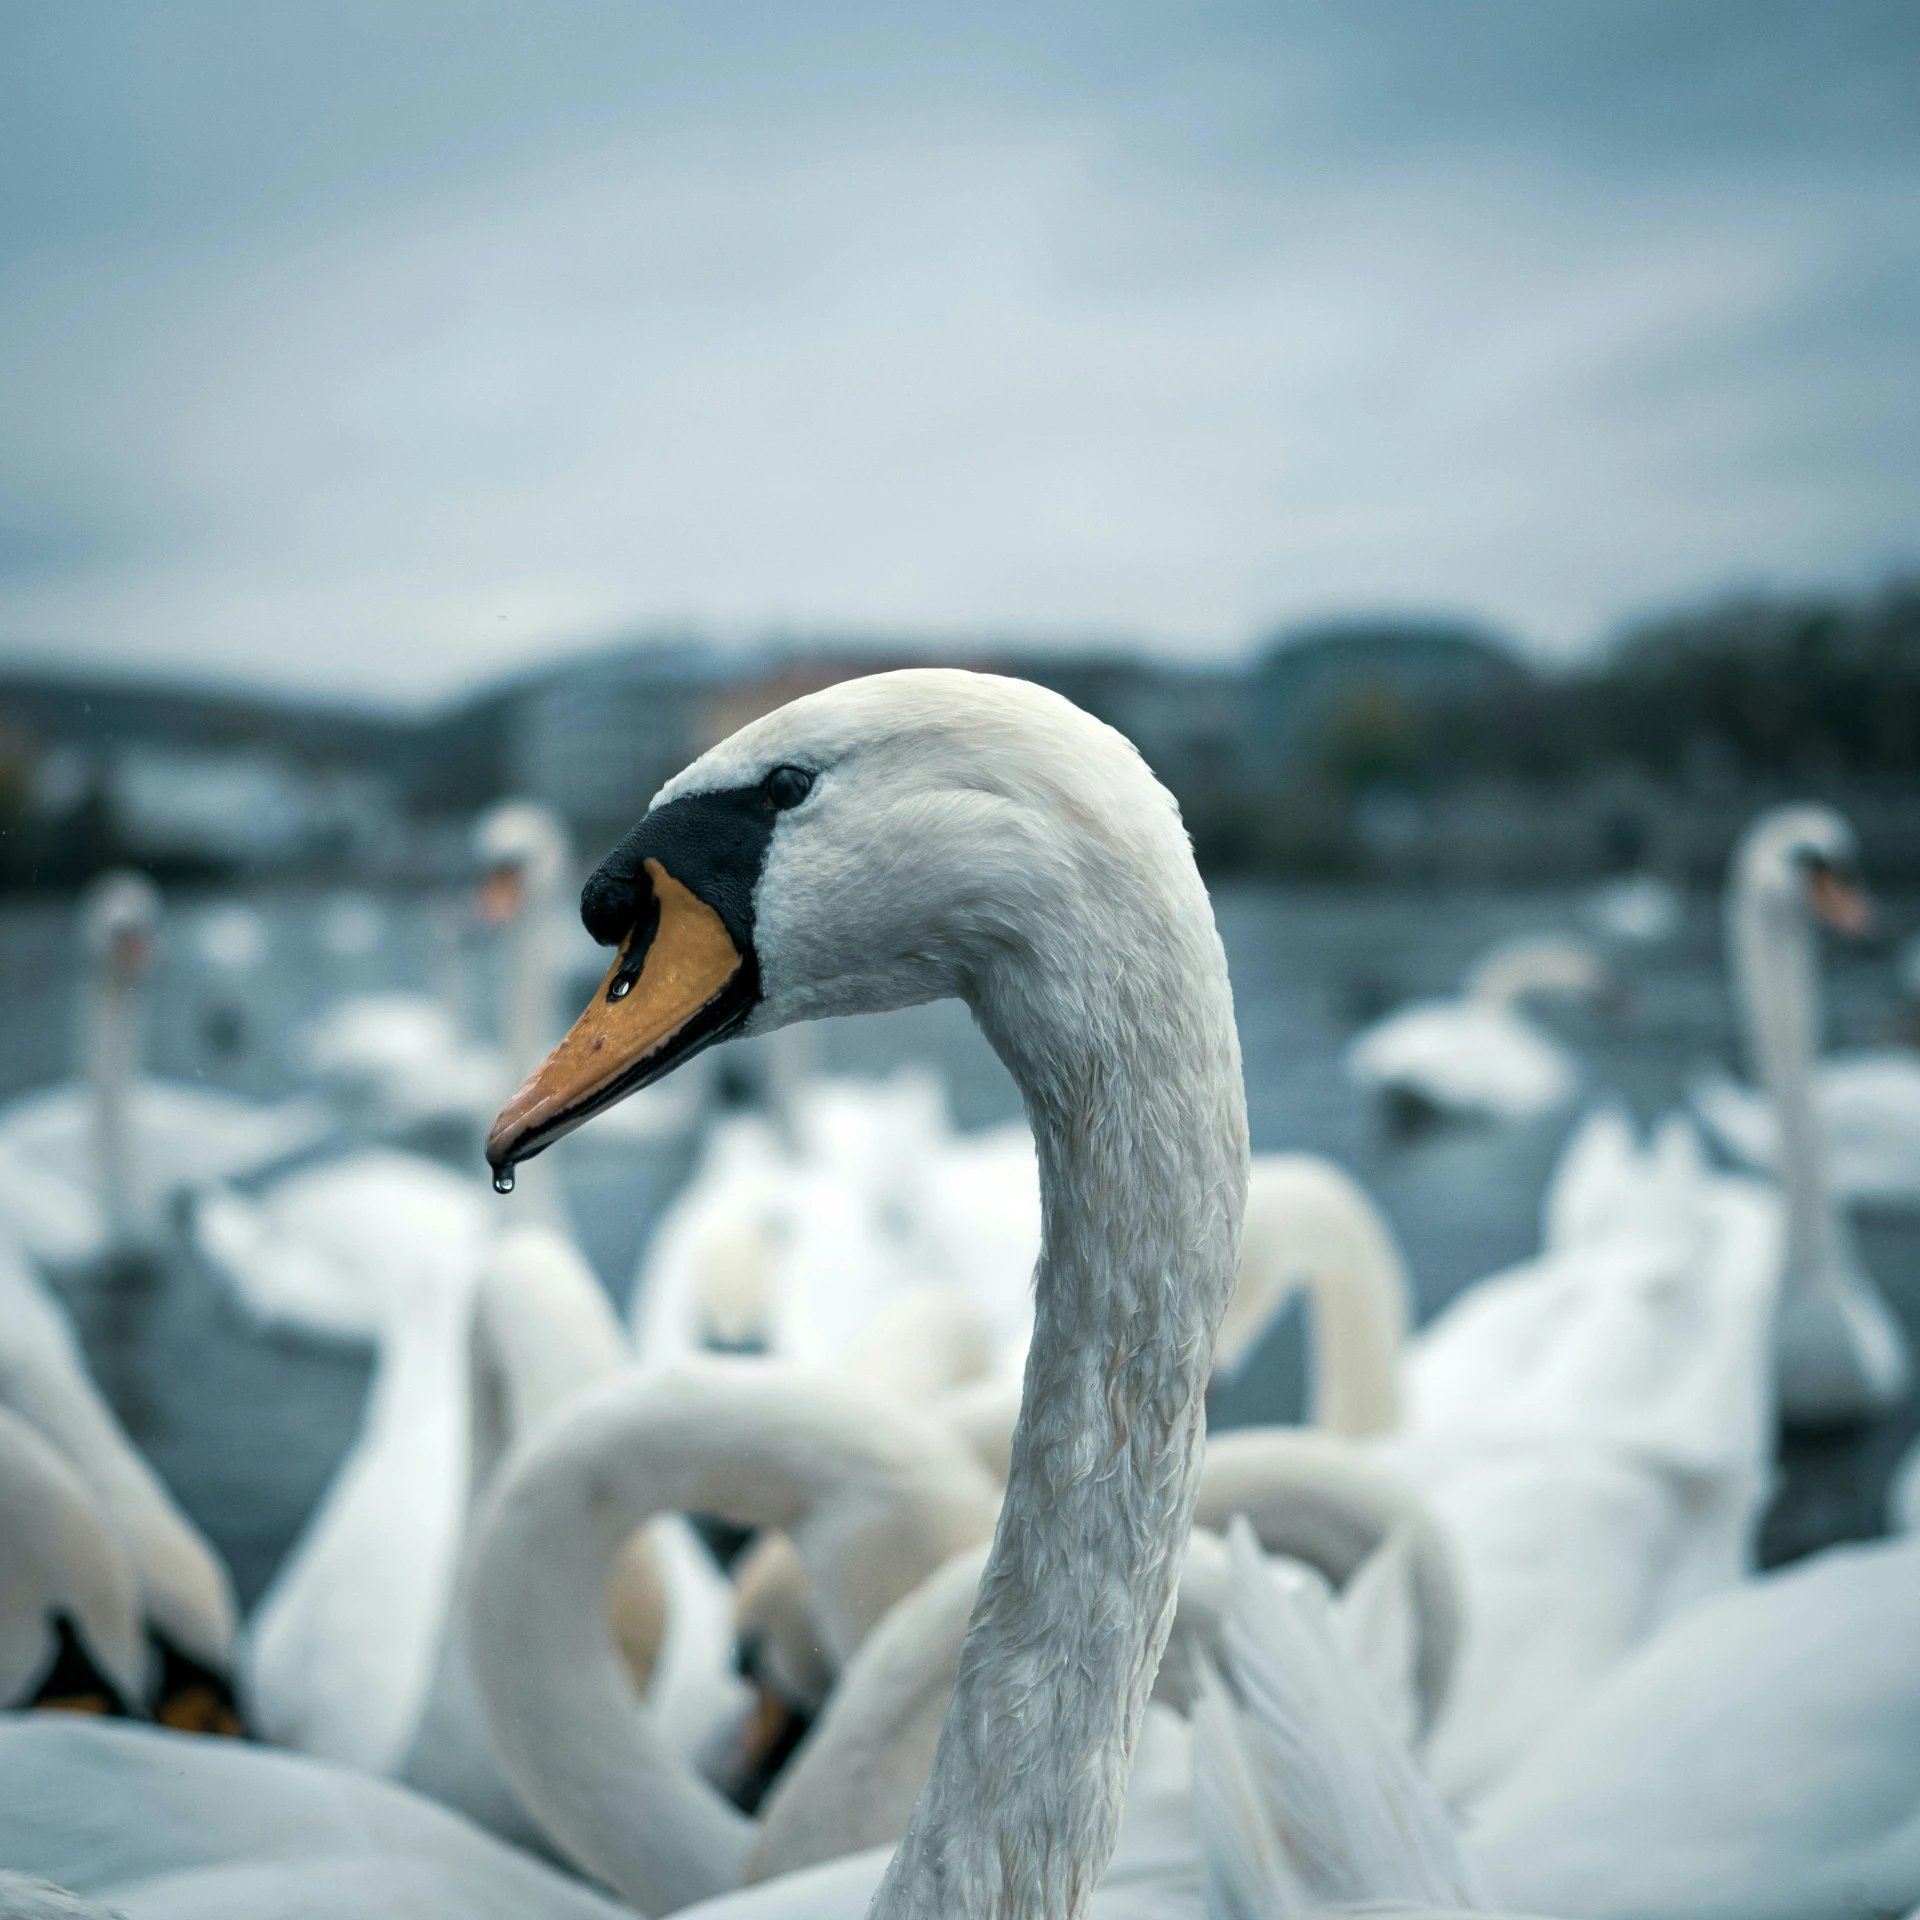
<point x="499" y="895"/>
<point x="1839" y="899"/>
<point x="672" y="988"/>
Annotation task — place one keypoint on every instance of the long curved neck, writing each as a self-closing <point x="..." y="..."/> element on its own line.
<point x="583" y="1755"/>
<point x="1126" y="1053"/>
<point x="111" y="1040"/>
<point x="1776" y="968"/>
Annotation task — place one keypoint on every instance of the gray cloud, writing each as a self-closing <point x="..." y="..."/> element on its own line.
<point x="373" y="348"/>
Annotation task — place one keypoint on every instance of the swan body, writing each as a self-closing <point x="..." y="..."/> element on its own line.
<point x="1479" y="1054"/>
<point x="1593" y="1433"/>
<point x="1640" y="909"/>
<point x="792" y="1241"/>
<point x="1840" y="1353"/>
<point x="162" y="1826"/>
<point x="342" y="1646"/>
<point x="69" y="1609"/>
<point x="185" y="1600"/>
<point x="1756" y="1758"/>
<point x="1868" y="1105"/>
<point x="918" y="835"/>
<point x="87" y="1169"/>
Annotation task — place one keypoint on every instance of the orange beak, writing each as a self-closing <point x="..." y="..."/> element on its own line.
<point x="644" y="1019"/>
<point x="499" y="895"/>
<point x="1840" y="901"/>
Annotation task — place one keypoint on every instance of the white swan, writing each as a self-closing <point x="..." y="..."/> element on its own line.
<point x="341" y="1647"/>
<point x="69" y="1610"/>
<point x="401" y="1060"/>
<point x="1593" y="1431"/>
<point x="163" y="1826"/>
<point x="1754" y="1761"/>
<point x="185" y="1599"/>
<point x="1842" y="1355"/>
<point x="795" y="1232"/>
<point x="1478" y="1054"/>
<point x="87" y="1167"/>
<point x="916" y="835"/>
<point x="1303" y="1796"/>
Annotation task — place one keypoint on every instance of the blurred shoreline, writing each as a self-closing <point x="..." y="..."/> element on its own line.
<point x="1406" y="752"/>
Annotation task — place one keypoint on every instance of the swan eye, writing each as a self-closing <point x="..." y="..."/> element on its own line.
<point x="787" y="787"/>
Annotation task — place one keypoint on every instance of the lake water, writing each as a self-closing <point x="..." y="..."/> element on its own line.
<point x="248" y="1427"/>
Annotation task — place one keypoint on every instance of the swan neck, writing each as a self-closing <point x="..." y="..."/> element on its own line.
<point x="1132" y="1085"/>
<point x="111" y="1041"/>
<point x="585" y="1758"/>
<point x="1776" y="964"/>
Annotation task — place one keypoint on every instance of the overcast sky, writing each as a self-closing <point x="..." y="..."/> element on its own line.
<point x="376" y="347"/>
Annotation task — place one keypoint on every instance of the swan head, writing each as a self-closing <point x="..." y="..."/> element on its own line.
<point x="1802" y="860"/>
<point x="524" y="851"/>
<point x="119" y="917"/>
<point x="888" y="841"/>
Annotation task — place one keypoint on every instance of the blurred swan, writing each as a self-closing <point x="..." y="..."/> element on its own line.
<point x="69" y="1609"/>
<point x="1868" y="1108"/>
<point x="1478" y="1054"/>
<point x="1303" y="1797"/>
<point x="185" y="1600"/>
<point x="1640" y="909"/>
<point x="872" y="1498"/>
<point x="87" y="1167"/>
<point x="354" y="1652"/>
<point x="790" y="1242"/>
<point x="158" y="1826"/>
<point x="1841" y="1353"/>
<point x="341" y="1646"/>
<point x="402" y="1060"/>
<point x="1755" y="1760"/>
<point x="1593" y="1430"/>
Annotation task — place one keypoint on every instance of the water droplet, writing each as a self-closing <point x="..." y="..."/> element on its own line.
<point x="620" y="988"/>
<point x="503" y="1179"/>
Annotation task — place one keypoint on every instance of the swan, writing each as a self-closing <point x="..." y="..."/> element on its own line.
<point x="1841" y="1354"/>
<point x="1309" y="1227"/>
<point x="341" y="1646"/>
<point x="400" y="1060"/>
<point x="794" y="1231"/>
<point x="542" y="1330"/>
<point x="86" y="1168"/>
<point x="185" y="1599"/>
<point x="157" y="1825"/>
<point x="1478" y="1054"/>
<point x="1796" y="861"/>
<point x="1638" y="908"/>
<point x="1756" y="1758"/>
<point x="69" y="1609"/>
<point x="930" y="833"/>
<point x="1302" y="1795"/>
<point x="1593" y="1431"/>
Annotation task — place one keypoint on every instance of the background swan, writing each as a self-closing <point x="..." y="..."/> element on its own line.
<point x="1756" y="1758"/>
<point x="165" y="1826"/>
<point x="185" y="1599"/>
<point x="87" y="1167"/>
<point x="1479" y="1054"/>
<point x="872" y="1499"/>
<point x="1841" y="1353"/>
<point x="1593" y="1431"/>
<point x="69" y="1609"/>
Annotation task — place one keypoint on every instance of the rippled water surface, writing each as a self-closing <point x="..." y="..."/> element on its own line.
<point x="247" y="1427"/>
